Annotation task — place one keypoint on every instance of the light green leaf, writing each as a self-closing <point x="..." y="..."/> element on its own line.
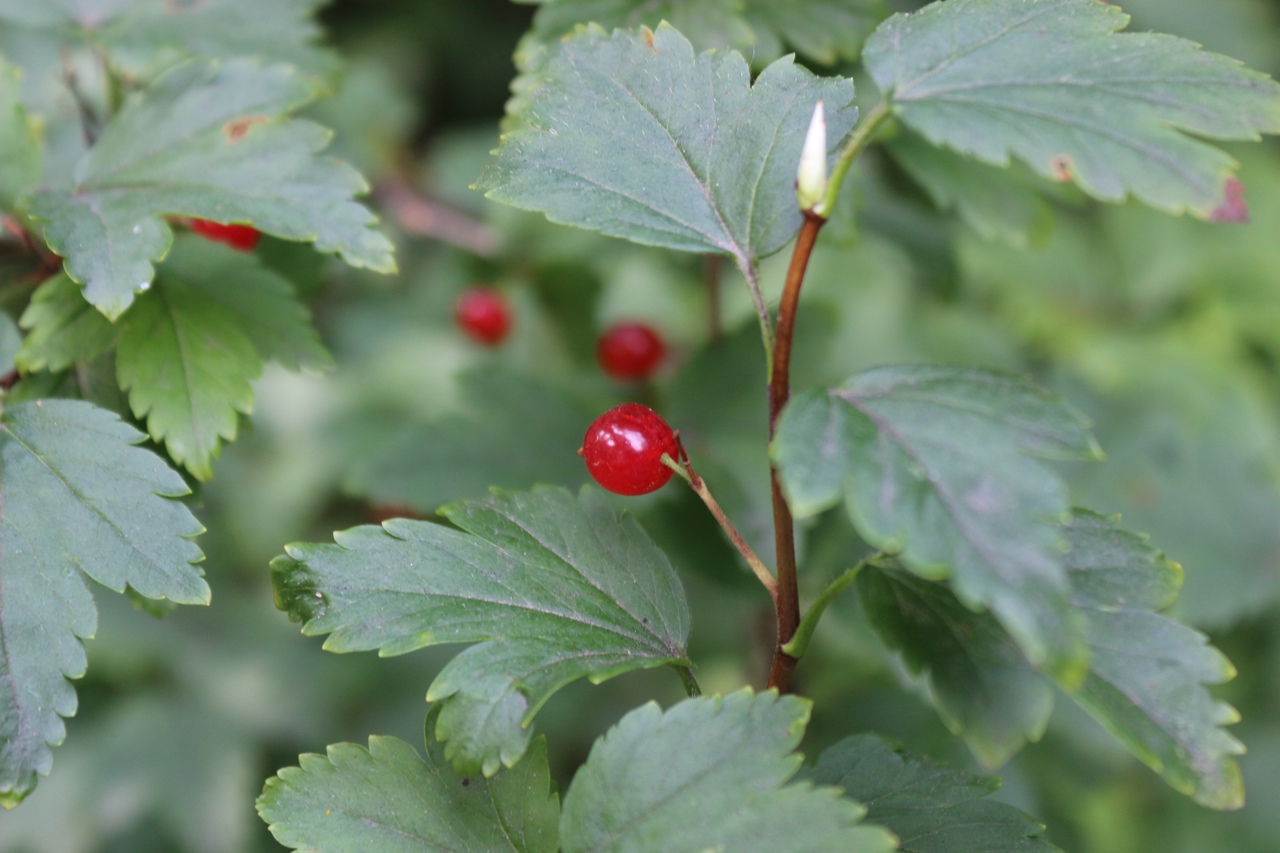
<point x="77" y="497"/>
<point x="62" y="328"/>
<point x="552" y="588"/>
<point x="931" y="808"/>
<point x="1052" y="83"/>
<point x="186" y="365"/>
<point x="210" y="141"/>
<point x="710" y="158"/>
<point x="388" y="799"/>
<point x="983" y="687"/>
<point x="997" y="203"/>
<point x="21" y="162"/>
<point x="709" y="774"/>
<point x="461" y="455"/>
<point x="1146" y="672"/>
<point x="937" y="463"/>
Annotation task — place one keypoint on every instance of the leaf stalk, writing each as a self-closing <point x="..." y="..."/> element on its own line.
<point x="799" y="643"/>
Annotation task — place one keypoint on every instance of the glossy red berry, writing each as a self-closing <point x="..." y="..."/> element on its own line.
<point x="623" y="449"/>
<point x="482" y="313"/>
<point x="242" y="237"/>
<point x="630" y="351"/>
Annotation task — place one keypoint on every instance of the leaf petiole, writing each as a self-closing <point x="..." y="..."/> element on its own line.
<point x="799" y="642"/>
<point x="861" y="137"/>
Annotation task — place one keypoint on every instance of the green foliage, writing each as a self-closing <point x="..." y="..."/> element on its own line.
<point x="77" y="497"/>
<point x="552" y="587"/>
<point x="388" y="798"/>
<point x="709" y="774"/>
<point x="22" y="155"/>
<point x="211" y="141"/>
<point x="692" y="183"/>
<point x="1053" y="84"/>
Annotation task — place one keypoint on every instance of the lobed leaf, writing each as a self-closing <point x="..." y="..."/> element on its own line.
<point x="931" y="808"/>
<point x="210" y="141"/>
<point x="551" y="587"/>
<point x="709" y="774"/>
<point x="1147" y="672"/>
<point x="62" y="328"/>
<point x="936" y="463"/>
<point x="710" y="157"/>
<point x="388" y="798"/>
<point x="76" y="497"/>
<point x="1053" y="83"/>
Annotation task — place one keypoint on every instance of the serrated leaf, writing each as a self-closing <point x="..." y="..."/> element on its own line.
<point x="709" y="774"/>
<point x="210" y="141"/>
<point x="20" y="164"/>
<point x="388" y="798"/>
<point x="931" y="808"/>
<point x="983" y="687"/>
<point x="186" y="365"/>
<point x="937" y="463"/>
<point x="1052" y="83"/>
<point x="826" y="30"/>
<point x="462" y="455"/>
<point x="1146" y="671"/>
<point x="62" y="328"/>
<point x="634" y="135"/>
<point x="997" y="203"/>
<point x="77" y="497"/>
<point x="552" y="588"/>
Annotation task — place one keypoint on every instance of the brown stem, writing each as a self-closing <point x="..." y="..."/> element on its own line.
<point x="788" y="599"/>
<point x="420" y="216"/>
<point x="711" y="274"/>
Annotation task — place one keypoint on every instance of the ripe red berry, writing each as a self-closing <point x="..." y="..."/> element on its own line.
<point x="482" y="313"/>
<point x="630" y="351"/>
<point x="242" y="237"/>
<point x="623" y="449"/>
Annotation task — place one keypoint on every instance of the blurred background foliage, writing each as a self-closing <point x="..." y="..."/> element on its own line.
<point x="1165" y="331"/>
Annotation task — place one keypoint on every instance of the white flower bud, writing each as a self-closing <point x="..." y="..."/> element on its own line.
<point x="811" y="179"/>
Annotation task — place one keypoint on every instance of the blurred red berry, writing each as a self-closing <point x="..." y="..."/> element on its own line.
<point x="482" y="313"/>
<point x="242" y="237"/>
<point x="628" y="351"/>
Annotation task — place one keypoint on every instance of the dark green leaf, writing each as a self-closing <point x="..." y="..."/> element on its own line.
<point x="20" y="163"/>
<point x="709" y="774"/>
<point x="460" y="455"/>
<point x="205" y="140"/>
<point x="388" y="799"/>
<point x="826" y="30"/>
<point x="1146" y="671"/>
<point x="982" y="686"/>
<point x="710" y="158"/>
<point x="62" y="328"/>
<point x="10" y="343"/>
<point x="552" y="587"/>
<point x="186" y="364"/>
<point x="931" y="808"/>
<point x="936" y="463"/>
<point x="77" y="497"/>
<point x="1052" y="83"/>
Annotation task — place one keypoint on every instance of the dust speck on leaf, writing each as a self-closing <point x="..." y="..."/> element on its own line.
<point x="1233" y="208"/>
<point x="1062" y="167"/>
<point x="238" y="127"/>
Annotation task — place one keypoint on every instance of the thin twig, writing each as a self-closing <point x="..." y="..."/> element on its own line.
<point x="711" y="274"/>
<point x="417" y="215"/>
<point x="752" y="275"/>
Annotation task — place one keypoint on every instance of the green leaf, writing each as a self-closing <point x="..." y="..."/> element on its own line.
<point x="21" y="163"/>
<point x="936" y="463"/>
<point x="387" y="798"/>
<point x="709" y="774"/>
<point x="997" y="203"/>
<point x="462" y="455"/>
<point x="931" y="808"/>
<point x="552" y="587"/>
<point x="77" y="497"/>
<point x="710" y="158"/>
<point x="62" y="328"/>
<point x="826" y="30"/>
<point x="983" y="687"/>
<point x="1146" y="672"/>
<point x="10" y="343"/>
<point x="1052" y="83"/>
<point x="186" y="365"/>
<point x="210" y="141"/>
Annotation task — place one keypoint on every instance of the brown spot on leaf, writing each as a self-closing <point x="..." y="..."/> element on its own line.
<point x="647" y="35"/>
<point x="1233" y="207"/>
<point x="1063" y="168"/>
<point x="238" y="127"/>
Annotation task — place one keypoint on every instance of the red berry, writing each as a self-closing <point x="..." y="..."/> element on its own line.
<point x="623" y="449"/>
<point x="482" y="313"/>
<point x="242" y="237"/>
<point x="630" y="351"/>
